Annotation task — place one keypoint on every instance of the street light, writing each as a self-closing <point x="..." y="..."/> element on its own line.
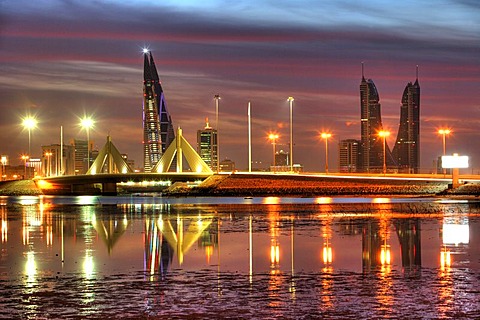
<point x="290" y="100"/>
<point x="48" y="155"/>
<point x="217" y="97"/>
<point x="273" y="137"/>
<point x="87" y="123"/>
<point x="325" y="136"/>
<point x="25" y="159"/>
<point x="444" y="133"/>
<point x="29" y="123"/>
<point x="384" y="135"/>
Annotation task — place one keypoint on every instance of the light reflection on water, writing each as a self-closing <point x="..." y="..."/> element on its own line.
<point x="241" y="258"/>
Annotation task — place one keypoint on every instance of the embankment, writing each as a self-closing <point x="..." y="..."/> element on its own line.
<point x="19" y="188"/>
<point x="305" y="186"/>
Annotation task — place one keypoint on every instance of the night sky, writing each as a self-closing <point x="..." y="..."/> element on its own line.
<point x="61" y="60"/>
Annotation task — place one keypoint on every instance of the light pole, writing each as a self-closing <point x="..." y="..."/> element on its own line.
<point x="29" y="123"/>
<point x="87" y="123"/>
<point x="444" y="133"/>
<point x="25" y="159"/>
<point x="48" y="154"/>
<point x="384" y="135"/>
<point x="273" y="137"/>
<point x="290" y="100"/>
<point x="249" y="138"/>
<point x="325" y="136"/>
<point x="217" y="97"/>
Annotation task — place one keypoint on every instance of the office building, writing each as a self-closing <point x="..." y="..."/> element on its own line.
<point x="207" y="145"/>
<point x="371" y="151"/>
<point x="349" y="155"/>
<point x="158" y="130"/>
<point x="406" y="151"/>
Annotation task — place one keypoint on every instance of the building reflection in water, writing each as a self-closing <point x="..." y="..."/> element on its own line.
<point x="173" y="234"/>
<point x="166" y="237"/>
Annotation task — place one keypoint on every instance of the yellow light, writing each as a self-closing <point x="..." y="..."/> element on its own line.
<point x="327" y="255"/>
<point x="385" y="256"/>
<point x="29" y="122"/>
<point x="273" y="136"/>
<point x="87" y="122"/>
<point x="42" y="184"/>
<point x="383" y="133"/>
<point x="445" y="131"/>
<point x="445" y="258"/>
<point x="325" y="135"/>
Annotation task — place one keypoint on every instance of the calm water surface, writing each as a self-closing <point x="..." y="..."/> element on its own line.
<point x="266" y="258"/>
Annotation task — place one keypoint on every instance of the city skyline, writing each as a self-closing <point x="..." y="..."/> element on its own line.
<point x="62" y="61"/>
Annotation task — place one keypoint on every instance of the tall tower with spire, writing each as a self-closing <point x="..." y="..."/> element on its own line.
<point x="371" y="157"/>
<point x="406" y="151"/>
<point x="158" y="130"/>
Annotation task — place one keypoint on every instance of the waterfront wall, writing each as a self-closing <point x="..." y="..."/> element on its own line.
<point x="305" y="186"/>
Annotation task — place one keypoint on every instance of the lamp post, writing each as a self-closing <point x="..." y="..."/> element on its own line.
<point x="217" y="97"/>
<point x="87" y="123"/>
<point x="48" y="154"/>
<point x="384" y="135"/>
<point x="325" y="136"/>
<point x="29" y="123"/>
<point x="444" y="133"/>
<point x="273" y="137"/>
<point x="249" y="138"/>
<point x="290" y="100"/>
<point x="25" y="159"/>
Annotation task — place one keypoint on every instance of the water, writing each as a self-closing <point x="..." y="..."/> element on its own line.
<point x="239" y="258"/>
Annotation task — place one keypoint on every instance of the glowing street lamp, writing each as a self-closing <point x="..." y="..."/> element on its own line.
<point x="273" y="137"/>
<point x="325" y="136"/>
<point x="444" y="133"/>
<point x="384" y="135"/>
<point x="29" y="123"/>
<point x="217" y="97"/>
<point x="87" y="123"/>
<point x="290" y="100"/>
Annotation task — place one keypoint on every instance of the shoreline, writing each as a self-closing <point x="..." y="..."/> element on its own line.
<point x="258" y="185"/>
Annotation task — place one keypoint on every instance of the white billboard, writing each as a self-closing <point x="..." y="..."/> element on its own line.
<point x="455" y="161"/>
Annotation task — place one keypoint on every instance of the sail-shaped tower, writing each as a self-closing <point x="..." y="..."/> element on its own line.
<point x="406" y="151"/>
<point x="158" y="130"/>
<point x="371" y="157"/>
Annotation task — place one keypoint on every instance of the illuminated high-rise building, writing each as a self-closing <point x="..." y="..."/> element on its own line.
<point x="158" y="130"/>
<point x="371" y="151"/>
<point x="406" y="151"/>
<point x="348" y="151"/>
<point x="207" y="145"/>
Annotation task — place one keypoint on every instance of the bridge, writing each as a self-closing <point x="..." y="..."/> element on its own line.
<point x="107" y="183"/>
<point x="109" y="169"/>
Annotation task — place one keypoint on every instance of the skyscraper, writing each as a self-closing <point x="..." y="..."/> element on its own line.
<point x="207" y="145"/>
<point x="158" y="130"/>
<point x="348" y="155"/>
<point x="406" y="151"/>
<point x="371" y="151"/>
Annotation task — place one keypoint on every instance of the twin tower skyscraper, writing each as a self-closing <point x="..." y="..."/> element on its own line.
<point x="405" y="156"/>
<point x="158" y="131"/>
